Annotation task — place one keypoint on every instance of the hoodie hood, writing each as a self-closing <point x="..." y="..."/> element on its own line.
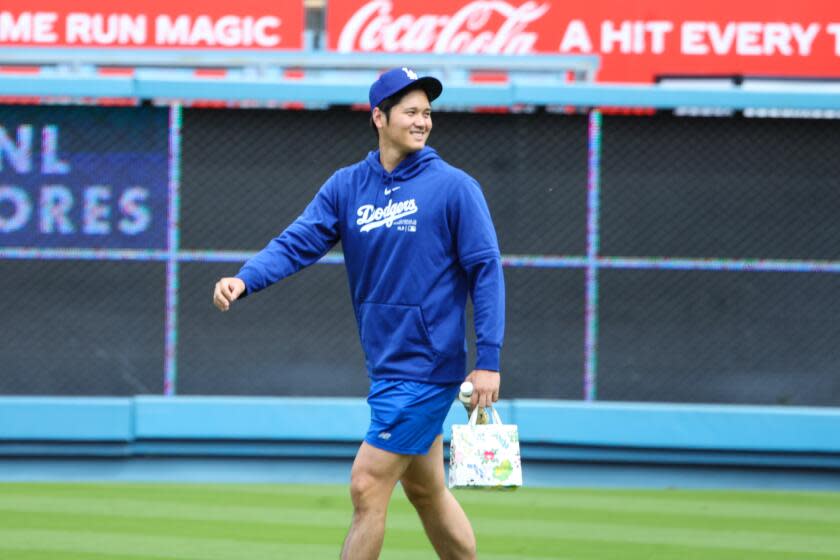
<point x="408" y="168"/>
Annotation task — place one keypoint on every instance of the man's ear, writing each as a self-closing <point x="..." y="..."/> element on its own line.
<point x="378" y="118"/>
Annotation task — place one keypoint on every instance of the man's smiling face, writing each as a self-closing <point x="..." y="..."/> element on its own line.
<point x="409" y="124"/>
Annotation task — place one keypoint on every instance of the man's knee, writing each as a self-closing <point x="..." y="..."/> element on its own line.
<point x="420" y="494"/>
<point x="362" y="486"/>
<point x="368" y="492"/>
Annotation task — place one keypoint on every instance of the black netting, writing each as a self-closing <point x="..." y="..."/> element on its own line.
<point x="533" y="171"/>
<point x="260" y="168"/>
<point x="725" y="192"/>
<point x="81" y="328"/>
<point x="720" y="188"/>
<point x="543" y="354"/>
<point x="719" y="337"/>
<point x="296" y="338"/>
<point x="248" y="174"/>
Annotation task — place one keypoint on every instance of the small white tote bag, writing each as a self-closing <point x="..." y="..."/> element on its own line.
<point x="485" y="455"/>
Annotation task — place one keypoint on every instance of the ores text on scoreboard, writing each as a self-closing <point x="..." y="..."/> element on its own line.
<point x="63" y="207"/>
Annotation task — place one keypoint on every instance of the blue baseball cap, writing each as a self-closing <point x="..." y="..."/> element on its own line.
<point x="396" y="80"/>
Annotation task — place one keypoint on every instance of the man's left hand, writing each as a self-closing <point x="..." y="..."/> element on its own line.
<point x="485" y="387"/>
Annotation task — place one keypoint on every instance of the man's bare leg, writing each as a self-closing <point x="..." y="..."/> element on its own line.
<point x="372" y="480"/>
<point x="445" y="522"/>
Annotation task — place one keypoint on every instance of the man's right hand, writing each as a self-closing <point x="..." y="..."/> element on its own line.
<point x="227" y="291"/>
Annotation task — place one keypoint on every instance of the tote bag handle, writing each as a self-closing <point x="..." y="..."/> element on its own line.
<point x="495" y="415"/>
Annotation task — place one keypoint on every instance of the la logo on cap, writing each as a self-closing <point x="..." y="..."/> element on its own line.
<point x="412" y="75"/>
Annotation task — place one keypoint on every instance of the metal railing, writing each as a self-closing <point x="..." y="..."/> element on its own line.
<point x="316" y="77"/>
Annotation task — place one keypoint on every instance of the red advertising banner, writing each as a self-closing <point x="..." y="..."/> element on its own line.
<point x="637" y="40"/>
<point x="244" y="24"/>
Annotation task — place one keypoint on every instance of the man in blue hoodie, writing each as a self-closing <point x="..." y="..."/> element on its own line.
<point x="417" y="238"/>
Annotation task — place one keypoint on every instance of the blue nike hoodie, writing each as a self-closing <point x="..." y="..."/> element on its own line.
<point x="416" y="241"/>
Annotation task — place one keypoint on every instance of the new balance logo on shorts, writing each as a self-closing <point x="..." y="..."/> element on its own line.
<point x="384" y="435"/>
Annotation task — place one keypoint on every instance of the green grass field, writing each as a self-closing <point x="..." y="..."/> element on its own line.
<point x="226" y="521"/>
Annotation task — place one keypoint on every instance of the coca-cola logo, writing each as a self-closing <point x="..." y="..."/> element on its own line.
<point x="488" y="27"/>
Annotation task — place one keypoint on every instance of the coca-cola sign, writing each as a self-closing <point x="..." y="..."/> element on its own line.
<point x="489" y="27"/>
<point x="636" y="39"/>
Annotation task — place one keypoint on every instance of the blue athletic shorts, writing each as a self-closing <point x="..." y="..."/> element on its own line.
<point x="407" y="416"/>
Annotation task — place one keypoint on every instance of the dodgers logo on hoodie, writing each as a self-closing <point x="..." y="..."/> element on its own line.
<point x="372" y="217"/>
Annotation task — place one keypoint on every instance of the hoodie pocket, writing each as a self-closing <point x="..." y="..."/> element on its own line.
<point x="395" y="339"/>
